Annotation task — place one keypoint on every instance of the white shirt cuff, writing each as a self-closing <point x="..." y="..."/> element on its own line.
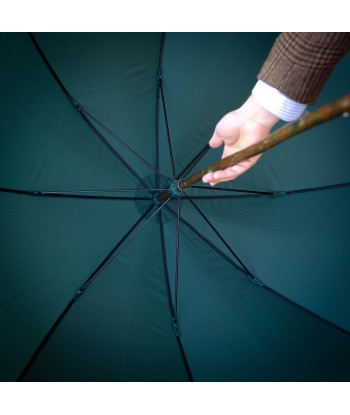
<point x="277" y="103"/>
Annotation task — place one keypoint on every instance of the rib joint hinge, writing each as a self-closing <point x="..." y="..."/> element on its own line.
<point x="256" y="281"/>
<point x="176" y="328"/>
<point x="74" y="102"/>
<point x="78" y="294"/>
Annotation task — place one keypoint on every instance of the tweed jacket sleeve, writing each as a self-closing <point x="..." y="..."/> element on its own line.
<point x="299" y="64"/>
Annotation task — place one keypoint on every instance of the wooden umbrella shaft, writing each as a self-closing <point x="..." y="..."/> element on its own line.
<point x="325" y="113"/>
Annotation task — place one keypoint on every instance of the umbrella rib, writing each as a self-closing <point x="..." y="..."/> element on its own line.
<point x="252" y="196"/>
<point x="47" y="63"/>
<point x="194" y="162"/>
<point x="103" y="191"/>
<point x="157" y="133"/>
<point x="313" y="189"/>
<point x="72" y="195"/>
<point x="167" y="130"/>
<point x="160" y="92"/>
<point x="44" y="341"/>
<point x="234" y="190"/>
<point x="177" y="255"/>
<point x="157" y="102"/>
<point x="222" y="239"/>
<point x="171" y="307"/>
<point x="76" y="105"/>
<point x="311" y="313"/>
<point x="265" y="194"/>
<point x="165" y="265"/>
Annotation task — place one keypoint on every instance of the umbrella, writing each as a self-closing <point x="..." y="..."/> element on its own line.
<point x="246" y="281"/>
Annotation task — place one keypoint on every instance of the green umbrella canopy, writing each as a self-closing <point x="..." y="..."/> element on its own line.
<point x="248" y="281"/>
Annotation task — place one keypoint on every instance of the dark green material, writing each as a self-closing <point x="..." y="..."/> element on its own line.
<point x="261" y="336"/>
<point x="118" y="330"/>
<point x="291" y="324"/>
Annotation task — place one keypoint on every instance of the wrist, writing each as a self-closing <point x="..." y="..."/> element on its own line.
<point x="253" y="110"/>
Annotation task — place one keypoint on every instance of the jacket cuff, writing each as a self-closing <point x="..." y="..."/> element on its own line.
<point x="277" y="103"/>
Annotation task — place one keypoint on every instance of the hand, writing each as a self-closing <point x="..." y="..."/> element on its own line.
<point x="237" y="130"/>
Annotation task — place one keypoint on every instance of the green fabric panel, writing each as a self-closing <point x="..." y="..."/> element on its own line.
<point x="297" y="244"/>
<point x="205" y="75"/>
<point x="48" y="249"/>
<point x="114" y="77"/>
<point x="46" y="144"/>
<point x="120" y="329"/>
<point x="234" y="330"/>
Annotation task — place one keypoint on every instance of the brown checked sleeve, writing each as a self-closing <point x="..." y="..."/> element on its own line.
<point x="299" y="64"/>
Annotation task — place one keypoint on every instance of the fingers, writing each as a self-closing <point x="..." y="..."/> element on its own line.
<point x="230" y="173"/>
<point x="221" y="176"/>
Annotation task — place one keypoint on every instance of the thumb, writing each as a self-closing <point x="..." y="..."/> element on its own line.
<point x="216" y="141"/>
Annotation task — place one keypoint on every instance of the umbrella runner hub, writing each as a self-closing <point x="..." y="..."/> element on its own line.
<point x="155" y="199"/>
<point x="174" y="191"/>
